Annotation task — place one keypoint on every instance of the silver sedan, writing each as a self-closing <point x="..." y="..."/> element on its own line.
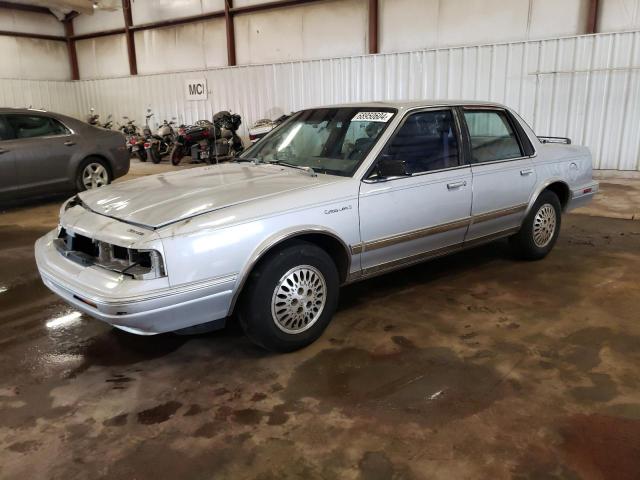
<point x="43" y="153"/>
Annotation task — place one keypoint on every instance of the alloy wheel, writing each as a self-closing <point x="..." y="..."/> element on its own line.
<point x="544" y="225"/>
<point x="94" y="175"/>
<point x="299" y="299"/>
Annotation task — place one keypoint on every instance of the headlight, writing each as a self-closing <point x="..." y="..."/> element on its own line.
<point x="70" y="203"/>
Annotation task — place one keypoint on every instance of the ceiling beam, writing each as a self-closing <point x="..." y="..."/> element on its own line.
<point x="25" y="8"/>
<point x="104" y="33"/>
<point x="71" y="47"/>
<point x="179" y="21"/>
<point x="260" y="7"/>
<point x="592" y="18"/>
<point x="37" y="36"/>
<point x="231" y="33"/>
<point x="373" y="26"/>
<point x="131" y="42"/>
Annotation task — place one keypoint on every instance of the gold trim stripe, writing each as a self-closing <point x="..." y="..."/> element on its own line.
<point x="425" y="232"/>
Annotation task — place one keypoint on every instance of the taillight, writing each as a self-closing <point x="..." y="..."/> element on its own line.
<point x="147" y="144"/>
<point x="133" y="141"/>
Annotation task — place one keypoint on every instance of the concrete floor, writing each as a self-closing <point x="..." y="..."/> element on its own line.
<point x="473" y="366"/>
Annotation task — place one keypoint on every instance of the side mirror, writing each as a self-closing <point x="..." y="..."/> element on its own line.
<point x="389" y="167"/>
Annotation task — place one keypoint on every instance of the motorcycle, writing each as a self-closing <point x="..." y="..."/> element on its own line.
<point x="93" y="118"/>
<point x="264" y="126"/>
<point x="161" y="142"/>
<point x="133" y="139"/>
<point x="108" y="124"/>
<point x="215" y="143"/>
<point x="188" y="136"/>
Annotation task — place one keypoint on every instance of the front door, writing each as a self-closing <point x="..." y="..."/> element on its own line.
<point x="503" y="175"/>
<point x="425" y="209"/>
<point x="42" y="148"/>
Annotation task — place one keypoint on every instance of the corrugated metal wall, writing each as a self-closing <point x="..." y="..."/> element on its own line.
<point x="586" y="87"/>
<point x="58" y="96"/>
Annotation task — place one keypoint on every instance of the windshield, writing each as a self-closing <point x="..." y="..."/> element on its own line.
<point x="329" y="140"/>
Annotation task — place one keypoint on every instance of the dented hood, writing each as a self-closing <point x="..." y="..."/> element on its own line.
<point x="158" y="200"/>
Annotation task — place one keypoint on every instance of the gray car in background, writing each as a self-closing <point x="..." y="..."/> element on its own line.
<point x="43" y="153"/>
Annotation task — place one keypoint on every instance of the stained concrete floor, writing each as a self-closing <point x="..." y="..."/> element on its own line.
<point x="473" y="366"/>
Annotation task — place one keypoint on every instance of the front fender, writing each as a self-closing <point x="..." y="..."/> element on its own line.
<point x="274" y="240"/>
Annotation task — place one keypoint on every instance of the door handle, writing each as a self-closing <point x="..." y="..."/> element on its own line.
<point x="526" y="171"/>
<point x="455" y="185"/>
<point x="69" y="143"/>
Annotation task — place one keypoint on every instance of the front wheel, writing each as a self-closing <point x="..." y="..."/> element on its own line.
<point x="540" y="228"/>
<point x="290" y="298"/>
<point x="154" y="153"/>
<point x="177" y="154"/>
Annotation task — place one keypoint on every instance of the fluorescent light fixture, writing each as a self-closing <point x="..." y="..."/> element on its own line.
<point x="64" y="321"/>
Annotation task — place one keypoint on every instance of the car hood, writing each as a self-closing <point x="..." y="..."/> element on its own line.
<point x="158" y="200"/>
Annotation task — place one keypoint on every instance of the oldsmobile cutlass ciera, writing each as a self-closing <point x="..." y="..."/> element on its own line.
<point x="333" y="195"/>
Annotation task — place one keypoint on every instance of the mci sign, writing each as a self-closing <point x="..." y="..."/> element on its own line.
<point x="196" y="89"/>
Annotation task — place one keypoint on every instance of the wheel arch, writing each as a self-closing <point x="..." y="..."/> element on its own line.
<point x="326" y="239"/>
<point x="557" y="186"/>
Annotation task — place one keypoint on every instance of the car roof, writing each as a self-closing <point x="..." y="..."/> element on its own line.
<point x="409" y="104"/>
<point x="24" y="110"/>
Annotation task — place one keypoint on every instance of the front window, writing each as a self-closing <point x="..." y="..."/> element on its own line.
<point x="328" y="140"/>
<point x="31" y="126"/>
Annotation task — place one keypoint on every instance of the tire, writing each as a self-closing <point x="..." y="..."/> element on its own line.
<point x="540" y="228"/>
<point x="142" y="154"/>
<point x="280" y="319"/>
<point x="177" y="154"/>
<point x="93" y="173"/>
<point x="154" y="153"/>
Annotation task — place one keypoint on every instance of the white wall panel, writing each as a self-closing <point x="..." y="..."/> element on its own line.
<point x="56" y="96"/>
<point x="311" y="31"/>
<point x="33" y="58"/>
<point x="103" y="57"/>
<point x="185" y="47"/>
<point x="619" y="15"/>
<point x="414" y="24"/>
<point x="30" y="22"/>
<point x="587" y="88"/>
<point x="100" y="21"/>
<point x="146" y="11"/>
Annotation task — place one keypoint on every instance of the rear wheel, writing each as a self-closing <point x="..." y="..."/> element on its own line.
<point x="540" y="228"/>
<point x="177" y="154"/>
<point x="142" y="154"/>
<point x="290" y="298"/>
<point x="93" y="173"/>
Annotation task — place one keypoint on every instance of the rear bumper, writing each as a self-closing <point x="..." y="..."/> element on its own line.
<point x="117" y="300"/>
<point x="583" y="195"/>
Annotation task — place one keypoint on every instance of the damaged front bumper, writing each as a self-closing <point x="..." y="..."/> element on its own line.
<point x="144" y="307"/>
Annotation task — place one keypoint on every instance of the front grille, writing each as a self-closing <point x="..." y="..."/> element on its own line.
<point x="139" y="264"/>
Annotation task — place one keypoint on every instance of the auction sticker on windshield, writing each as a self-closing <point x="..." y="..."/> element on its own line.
<point x="372" y="117"/>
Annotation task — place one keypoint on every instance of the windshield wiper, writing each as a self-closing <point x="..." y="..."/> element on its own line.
<point x="309" y="170"/>
<point x="248" y="159"/>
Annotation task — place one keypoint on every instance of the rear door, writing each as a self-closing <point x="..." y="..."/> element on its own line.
<point x="503" y="173"/>
<point x="8" y="184"/>
<point x="426" y="212"/>
<point x="42" y="148"/>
